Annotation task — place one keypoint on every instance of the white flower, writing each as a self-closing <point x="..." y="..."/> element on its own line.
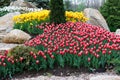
<point x="14" y="8"/>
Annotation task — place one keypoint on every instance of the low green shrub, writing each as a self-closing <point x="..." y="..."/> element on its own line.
<point x="22" y="51"/>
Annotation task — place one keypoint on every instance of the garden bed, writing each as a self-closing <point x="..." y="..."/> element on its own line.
<point x="65" y="73"/>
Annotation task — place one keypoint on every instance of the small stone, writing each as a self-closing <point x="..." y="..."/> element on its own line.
<point x="70" y="78"/>
<point x="117" y="32"/>
<point x="103" y="77"/>
<point x="61" y="74"/>
<point x="2" y="29"/>
<point x="68" y="74"/>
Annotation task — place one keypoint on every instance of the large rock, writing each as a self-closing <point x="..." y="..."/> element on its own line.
<point x="7" y="20"/>
<point x="22" y="3"/>
<point x="4" y="31"/>
<point x="16" y="36"/>
<point x="95" y="18"/>
<point x="117" y="32"/>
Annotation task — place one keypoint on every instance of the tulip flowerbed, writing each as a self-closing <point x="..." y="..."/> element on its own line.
<point x="74" y="44"/>
<point x="28" y="21"/>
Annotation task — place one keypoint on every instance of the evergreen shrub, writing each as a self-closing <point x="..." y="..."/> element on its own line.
<point x="111" y="12"/>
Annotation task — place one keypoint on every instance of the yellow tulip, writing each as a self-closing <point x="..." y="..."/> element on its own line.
<point x="44" y="14"/>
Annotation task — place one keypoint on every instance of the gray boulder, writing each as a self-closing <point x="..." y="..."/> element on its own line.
<point x="7" y="20"/>
<point x="95" y="18"/>
<point x="22" y="3"/>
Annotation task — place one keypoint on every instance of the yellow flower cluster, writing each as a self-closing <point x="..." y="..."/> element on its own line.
<point x="75" y="16"/>
<point x="40" y="15"/>
<point x="43" y="14"/>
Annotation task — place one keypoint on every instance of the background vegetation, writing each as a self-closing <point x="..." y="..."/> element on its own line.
<point x="4" y="3"/>
<point x="111" y="11"/>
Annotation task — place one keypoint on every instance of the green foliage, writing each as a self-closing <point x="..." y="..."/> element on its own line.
<point x="57" y="14"/>
<point x="4" y="3"/>
<point x="21" y="51"/>
<point x="111" y="11"/>
<point x="2" y="13"/>
<point x="116" y="63"/>
<point x="30" y="27"/>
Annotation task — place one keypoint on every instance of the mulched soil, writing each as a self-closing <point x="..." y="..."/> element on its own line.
<point x="57" y="71"/>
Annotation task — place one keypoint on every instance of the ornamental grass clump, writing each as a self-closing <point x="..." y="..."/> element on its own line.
<point x="76" y="44"/>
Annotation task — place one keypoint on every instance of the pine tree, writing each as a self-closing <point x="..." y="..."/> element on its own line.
<point x="57" y="13"/>
<point x="111" y="12"/>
